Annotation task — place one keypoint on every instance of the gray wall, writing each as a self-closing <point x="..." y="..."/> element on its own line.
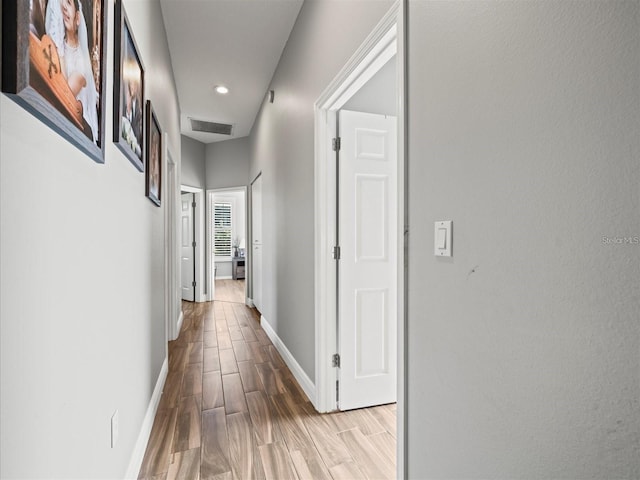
<point x="193" y="163"/>
<point x="82" y="326"/>
<point x="378" y="95"/>
<point x="524" y="129"/>
<point x="227" y="163"/>
<point x="282" y="148"/>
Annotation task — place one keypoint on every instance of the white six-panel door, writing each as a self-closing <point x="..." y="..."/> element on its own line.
<point x="367" y="271"/>
<point x="186" y="247"/>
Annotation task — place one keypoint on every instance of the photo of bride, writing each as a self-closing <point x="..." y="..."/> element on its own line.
<point x="65" y="50"/>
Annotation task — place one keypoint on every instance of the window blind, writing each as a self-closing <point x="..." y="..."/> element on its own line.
<point x="222" y="229"/>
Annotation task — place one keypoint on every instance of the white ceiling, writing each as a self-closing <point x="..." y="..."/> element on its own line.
<point x="236" y="43"/>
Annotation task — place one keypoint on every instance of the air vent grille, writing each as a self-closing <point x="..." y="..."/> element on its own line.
<point x="210" y="127"/>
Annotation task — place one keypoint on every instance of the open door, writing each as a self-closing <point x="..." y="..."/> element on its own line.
<point x="367" y="270"/>
<point x="187" y="247"/>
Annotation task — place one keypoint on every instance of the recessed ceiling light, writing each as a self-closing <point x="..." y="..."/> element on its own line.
<point x="221" y="89"/>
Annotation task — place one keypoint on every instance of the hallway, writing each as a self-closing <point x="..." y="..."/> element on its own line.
<point x="232" y="410"/>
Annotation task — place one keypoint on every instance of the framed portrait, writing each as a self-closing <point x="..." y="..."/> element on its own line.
<point x="53" y="65"/>
<point x="128" y="92"/>
<point x="153" y="174"/>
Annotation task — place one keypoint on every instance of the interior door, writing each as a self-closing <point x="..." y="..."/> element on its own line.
<point x="187" y="249"/>
<point x="257" y="244"/>
<point x="367" y="270"/>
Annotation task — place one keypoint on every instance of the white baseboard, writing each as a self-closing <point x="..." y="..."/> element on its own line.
<point x="249" y="302"/>
<point x="143" y="437"/>
<point x="179" y="324"/>
<point x="302" y="378"/>
<point x="226" y="277"/>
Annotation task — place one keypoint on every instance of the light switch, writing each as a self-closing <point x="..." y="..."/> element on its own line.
<point x="442" y="238"/>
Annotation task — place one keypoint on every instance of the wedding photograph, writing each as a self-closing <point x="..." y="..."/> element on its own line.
<point x="65" y="52"/>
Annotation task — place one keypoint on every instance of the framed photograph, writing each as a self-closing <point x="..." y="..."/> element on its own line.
<point x="128" y="92"/>
<point x="53" y="65"/>
<point x="153" y="176"/>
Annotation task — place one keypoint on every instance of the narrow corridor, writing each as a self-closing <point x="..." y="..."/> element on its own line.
<point x="232" y="410"/>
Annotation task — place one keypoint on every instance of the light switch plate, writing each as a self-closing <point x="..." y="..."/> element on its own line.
<point x="442" y="238"/>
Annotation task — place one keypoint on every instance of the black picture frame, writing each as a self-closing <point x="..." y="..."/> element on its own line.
<point x="128" y="91"/>
<point x="35" y="77"/>
<point x="153" y="170"/>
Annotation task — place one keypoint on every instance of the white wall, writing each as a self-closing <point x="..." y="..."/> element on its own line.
<point x="378" y="95"/>
<point x="524" y="347"/>
<point x="282" y="148"/>
<point x="227" y="163"/>
<point x="193" y="163"/>
<point x="82" y="327"/>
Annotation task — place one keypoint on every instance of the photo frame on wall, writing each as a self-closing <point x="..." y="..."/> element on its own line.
<point x="55" y="69"/>
<point x="128" y="92"/>
<point x="153" y="174"/>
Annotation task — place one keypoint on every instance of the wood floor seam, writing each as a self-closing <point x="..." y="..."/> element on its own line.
<point x="232" y="410"/>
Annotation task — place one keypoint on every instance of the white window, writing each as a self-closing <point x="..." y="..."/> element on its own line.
<point x="222" y="229"/>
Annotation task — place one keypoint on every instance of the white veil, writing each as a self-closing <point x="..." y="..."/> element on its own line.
<point x="88" y="95"/>
<point x="54" y="25"/>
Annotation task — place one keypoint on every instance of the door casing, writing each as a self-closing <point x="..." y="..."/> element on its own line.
<point x="209" y="244"/>
<point x="198" y="222"/>
<point x="388" y="38"/>
<point x="173" y="309"/>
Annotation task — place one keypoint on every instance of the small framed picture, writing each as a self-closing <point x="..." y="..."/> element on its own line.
<point x="53" y="65"/>
<point x="128" y="92"/>
<point x="153" y="176"/>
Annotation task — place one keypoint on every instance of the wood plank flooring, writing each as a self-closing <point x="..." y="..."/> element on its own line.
<point x="229" y="291"/>
<point x="232" y="410"/>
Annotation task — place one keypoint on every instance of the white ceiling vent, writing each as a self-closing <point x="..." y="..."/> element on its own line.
<point x="210" y="127"/>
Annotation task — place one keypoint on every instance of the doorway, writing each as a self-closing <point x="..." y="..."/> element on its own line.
<point x="191" y="243"/>
<point x="173" y="305"/>
<point x="227" y="244"/>
<point x="384" y="43"/>
<point x="187" y="247"/>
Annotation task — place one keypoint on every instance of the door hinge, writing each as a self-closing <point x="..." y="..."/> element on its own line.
<point x="193" y="284"/>
<point x="336" y="143"/>
<point x="336" y="253"/>
<point x="193" y="244"/>
<point x="335" y="360"/>
<point x="193" y="204"/>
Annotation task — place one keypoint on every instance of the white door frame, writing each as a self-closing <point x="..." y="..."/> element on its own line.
<point x="248" y="269"/>
<point x="198" y="222"/>
<point x="387" y="39"/>
<point x="209" y="226"/>
<point x="173" y="309"/>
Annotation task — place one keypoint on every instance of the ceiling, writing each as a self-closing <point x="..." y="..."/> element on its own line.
<point x="236" y="43"/>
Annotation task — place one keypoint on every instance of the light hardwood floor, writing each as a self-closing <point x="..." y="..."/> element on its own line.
<point x="232" y="410"/>
<point x="230" y="291"/>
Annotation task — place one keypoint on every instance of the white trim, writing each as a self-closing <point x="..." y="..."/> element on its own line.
<point x="403" y="244"/>
<point x="376" y="50"/>
<point x="212" y="260"/>
<point x="179" y="322"/>
<point x="199" y="217"/>
<point x="145" y="430"/>
<point x="360" y="68"/>
<point x="248" y="269"/>
<point x="303" y="379"/>
<point x="172" y="255"/>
